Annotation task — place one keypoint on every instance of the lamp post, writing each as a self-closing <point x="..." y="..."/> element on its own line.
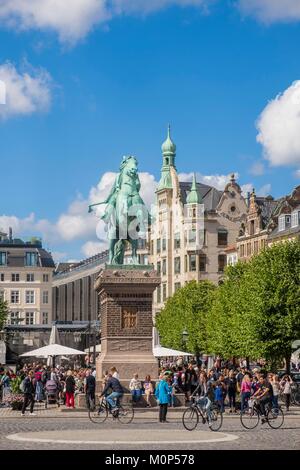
<point x="185" y="337"/>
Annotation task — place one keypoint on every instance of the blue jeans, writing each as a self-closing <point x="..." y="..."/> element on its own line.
<point x="244" y="399"/>
<point x="136" y="395"/>
<point x="275" y="401"/>
<point x="205" y="404"/>
<point x="112" y="398"/>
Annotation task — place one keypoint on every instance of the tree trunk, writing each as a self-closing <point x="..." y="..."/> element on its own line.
<point x="248" y="362"/>
<point x="288" y="362"/>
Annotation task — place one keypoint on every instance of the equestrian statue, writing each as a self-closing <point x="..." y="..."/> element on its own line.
<point x="126" y="215"/>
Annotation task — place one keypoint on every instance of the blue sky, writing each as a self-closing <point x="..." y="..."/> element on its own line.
<point x="110" y="88"/>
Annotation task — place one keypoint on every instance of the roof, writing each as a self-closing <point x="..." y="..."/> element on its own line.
<point x="267" y="206"/>
<point x="210" y="196"/>
<point x="16" y="256"/>
<point x="97" y="260"/>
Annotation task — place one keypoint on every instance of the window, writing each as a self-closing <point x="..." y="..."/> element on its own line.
<point x="29" y="297"/>
<point x="164" y="244"/>
<point x="249" y="252"/>
<point x="2" y="295"/>
<point x="287" y="221"/>
<point x="177" y="286"/>
<point x="151" y="247"/>
<point x="177" y="241"/>
<point x="15" y="297"/>
<point x="45" y="297"/>
<point x="31" y="259"/>
<point x="45" y="318"/>
<point x="15" y="277"/>
<point x="255" y="247"/>
<point x="192" y="236"/>
<point x="251" y="228"/>
<point x="3" y="258"/>
<point x="164" y="292"/>
<point x="158" y="245"/>
<point x="29" y="318"/>
<point x="29" y="277"/>
<point x="185" y="263"/>
<point x="158" y="267"/>
<point x="242" y="251"/>
<point x="158" y="294"/>
<point x="295" y="219"/>
<point x="222" y="237"/>
<point x="14" y="318"/>
<point x="221" y="263"/>
<point x="129" y="318"/>
<point x="202" y="263"/>
<point x="177" y="267"/>
<point x="281" y="223"/>
<point x="2" y="277"/>
<point x="192" y="262"/>
<point x="45" y="277"/>
<point x="164" y="266"/>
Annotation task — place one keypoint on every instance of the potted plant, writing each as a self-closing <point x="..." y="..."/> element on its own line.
<point x="15" y="398"/>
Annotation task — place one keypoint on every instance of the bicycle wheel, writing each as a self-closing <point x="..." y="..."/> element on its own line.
<point x="190" y="418"/>
<point x="216" y="419"/>
<point x="98" y="415"/>
<point x="125" y="414"/>
<point x="249" y="418"/>
<point x="275" y="418"/>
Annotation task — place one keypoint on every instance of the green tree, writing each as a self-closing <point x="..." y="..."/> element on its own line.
<point x="229" y="327"/>
<point x="272" y="296"/>
<point x="188" y="310"/>
<point x="3" y="313"/>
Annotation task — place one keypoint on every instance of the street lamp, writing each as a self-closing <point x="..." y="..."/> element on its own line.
<point x="185" y="337"/>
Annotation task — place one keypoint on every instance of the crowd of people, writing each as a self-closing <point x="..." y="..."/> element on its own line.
<point x="231" y="387"/>
<point x="39" y="383"/>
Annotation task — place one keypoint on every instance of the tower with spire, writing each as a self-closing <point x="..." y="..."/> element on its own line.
<point x="168" y="153"/>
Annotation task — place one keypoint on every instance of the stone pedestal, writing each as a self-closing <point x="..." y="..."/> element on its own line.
<point x="125" y="295"/>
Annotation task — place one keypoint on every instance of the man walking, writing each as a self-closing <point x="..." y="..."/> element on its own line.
<point x="29" y="392"/>
<point x="89" y="389"/>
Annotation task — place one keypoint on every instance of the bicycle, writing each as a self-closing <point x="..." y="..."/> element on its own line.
<point x="251" y="416"/>
<point x="192" y="415"/>
<point x="99" y="414"/>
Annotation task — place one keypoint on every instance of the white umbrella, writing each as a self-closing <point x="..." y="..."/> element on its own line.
<point x="53" y="350"/>
<point x="159" y="351"/>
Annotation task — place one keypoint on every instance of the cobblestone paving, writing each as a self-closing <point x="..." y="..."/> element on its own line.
<point x="261" y="438"/>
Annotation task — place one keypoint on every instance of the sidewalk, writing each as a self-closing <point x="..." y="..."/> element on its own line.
<point x="174" y="414"/>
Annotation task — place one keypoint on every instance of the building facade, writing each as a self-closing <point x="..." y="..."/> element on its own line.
<point x="194" y="224"/>
<point x="26" y="271"/>
<point x="269" y="221"/>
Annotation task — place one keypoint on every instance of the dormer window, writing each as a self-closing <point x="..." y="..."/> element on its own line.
<point x="281" y="223"/>
<point x="284" y="222"/>
<point x="295" y="218"/>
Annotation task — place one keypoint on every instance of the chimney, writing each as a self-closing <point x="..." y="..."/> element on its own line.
<point x="10" y="234"/>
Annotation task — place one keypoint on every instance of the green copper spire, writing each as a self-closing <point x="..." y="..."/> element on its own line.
<point x="193" y="196"/>
<point x="168" y="151"/>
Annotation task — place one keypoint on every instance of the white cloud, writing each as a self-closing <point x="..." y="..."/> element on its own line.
<point x="91" y="248"/>
<point x="217" y="181"/>
<point x="265" y="190"/>
<point x="72" y="20"/>
<point x="27" y="91"/>
<point x="257" y="169"/>
<point x="279" y="128"/>
<point x="269" y="11"/>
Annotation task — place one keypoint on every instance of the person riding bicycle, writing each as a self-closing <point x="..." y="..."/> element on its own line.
<point x="205" y="393"/>
<point x="117" y="391"/>
<point x="264" y="395"/>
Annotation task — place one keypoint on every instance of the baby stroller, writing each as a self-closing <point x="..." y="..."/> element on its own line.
<point x="51" y="393"/>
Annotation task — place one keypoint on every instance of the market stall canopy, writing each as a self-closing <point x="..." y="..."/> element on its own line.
<point x="159" y="351"/>
<point x="53" y="350"/>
